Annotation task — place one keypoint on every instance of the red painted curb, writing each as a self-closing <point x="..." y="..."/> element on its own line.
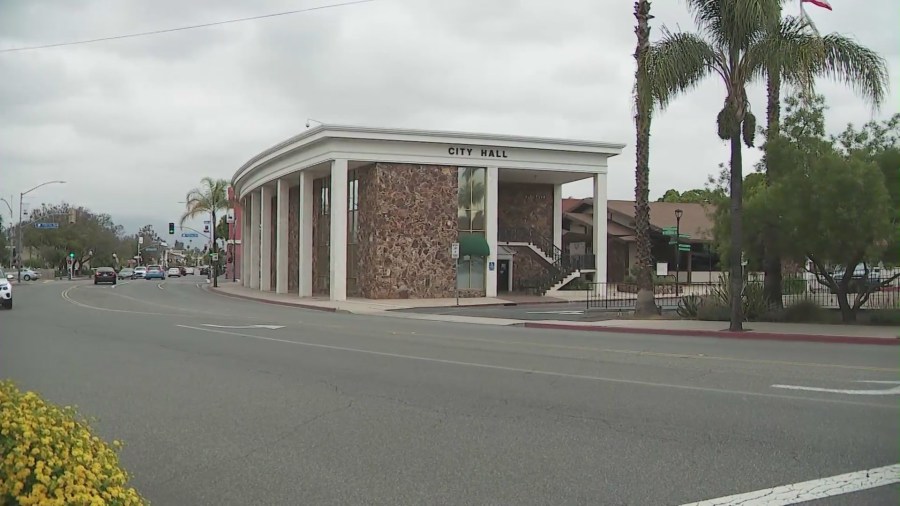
<point x="275" y="302"/>
<point x="725" y="334"/>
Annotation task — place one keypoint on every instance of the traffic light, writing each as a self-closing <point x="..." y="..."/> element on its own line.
<point x="72" y="255"/>
<point x="171" y="228"/>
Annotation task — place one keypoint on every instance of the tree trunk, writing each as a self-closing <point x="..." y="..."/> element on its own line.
<point x="645" y="304"/>
<point x="848" y="314"/>
<point x="772" y="287"/>
<point x="214" y="269"/>
<point x="737" y="233"/>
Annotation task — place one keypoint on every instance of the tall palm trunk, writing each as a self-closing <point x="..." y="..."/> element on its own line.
<point x="646" y="301"/>
<point x="215" y="265"/>
<point x="737" y="233"/>
<point x="771" y="256"/>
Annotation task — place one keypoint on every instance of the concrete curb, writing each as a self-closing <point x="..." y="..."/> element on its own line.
<point x="219" y="291"/>
<point x="724" y="334"/>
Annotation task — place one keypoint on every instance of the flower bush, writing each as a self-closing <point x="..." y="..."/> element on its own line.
<point x="49" y="457"/>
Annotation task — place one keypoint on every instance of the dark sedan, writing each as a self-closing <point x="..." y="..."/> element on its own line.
<point x="105" y="275"/>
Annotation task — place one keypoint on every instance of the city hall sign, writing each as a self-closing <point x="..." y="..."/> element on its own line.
<point x="477" y="152"/>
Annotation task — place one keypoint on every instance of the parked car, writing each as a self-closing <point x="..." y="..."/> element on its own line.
<point x="860" y="281"/>
<point x="188" y="271"/>
<point x="139" y="272"/>
<point x="29" y="274"/>
<point x="126" y="273"/>
<point x="182" y="270"/>
<point x="6" y="289"/>
<point x="204" y="270"/>
<point x="174" y="272"/>
<point x="105" y="275"/>
<point x="155" y="272"/>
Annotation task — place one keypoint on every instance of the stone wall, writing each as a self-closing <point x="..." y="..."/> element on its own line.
<point x="526" y="265"/>
<point x="526" y="206"/>
<point x="407" y="224"/>
<point x="294" y="240"/>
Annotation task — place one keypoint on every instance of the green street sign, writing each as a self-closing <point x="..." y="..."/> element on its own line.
<point x="684" y="247"/>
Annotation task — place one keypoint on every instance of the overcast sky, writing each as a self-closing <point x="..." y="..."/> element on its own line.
<point x="133" y="124"/>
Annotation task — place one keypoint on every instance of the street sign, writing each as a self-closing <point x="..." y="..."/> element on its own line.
<point x="150" y="249"/>
<point x="214" y="257"/>
<point x="140" y="240"/>
<point x="454" y="250"/>
<point x="46" y="225"/>
<point x="229" y="218"/>
<point x="190" y="234"/>
<point x="684" y="247"/>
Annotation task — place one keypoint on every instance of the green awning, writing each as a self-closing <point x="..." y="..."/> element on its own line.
<point x="473" y="245"/>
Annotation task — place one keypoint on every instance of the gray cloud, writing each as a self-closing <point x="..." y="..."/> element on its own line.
<point x="133" y="124"/>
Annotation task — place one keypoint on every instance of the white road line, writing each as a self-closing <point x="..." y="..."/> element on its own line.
<point x="270" y="327"/>
<point x="884" y="391"/>
<point x="811" y="490"/>
<point x="159" y="286"/>
<point x="540" y="373"/>
<point x="571" y="312"/>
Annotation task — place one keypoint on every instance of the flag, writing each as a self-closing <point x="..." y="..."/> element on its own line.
<point x="820" y="3"/>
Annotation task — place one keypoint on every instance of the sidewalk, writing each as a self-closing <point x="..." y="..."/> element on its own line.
<point x="853" y="334"/>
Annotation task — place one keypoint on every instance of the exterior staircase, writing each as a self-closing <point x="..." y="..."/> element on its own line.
<point x="562" y="267"/>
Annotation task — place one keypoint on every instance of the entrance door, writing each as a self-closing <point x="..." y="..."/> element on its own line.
<point x="503" y="275"/>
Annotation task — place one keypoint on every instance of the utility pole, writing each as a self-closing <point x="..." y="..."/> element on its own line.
<point x="19" y="228"/>
<point x="9" y="233"/>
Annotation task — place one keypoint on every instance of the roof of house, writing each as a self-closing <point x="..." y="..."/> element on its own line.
<point x="696" y="220"/>
<point x="569" y="204"/>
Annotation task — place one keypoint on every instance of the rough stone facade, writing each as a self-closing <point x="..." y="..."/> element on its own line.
<point x="294" y="240"/>
<point x="616" y="260"/>
<point x="525" y="206"/>
<point x="407" y="222"/>
<point x="526" y="265"/>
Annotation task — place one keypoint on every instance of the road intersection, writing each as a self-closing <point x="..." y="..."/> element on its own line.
<point x="224" y="401"/>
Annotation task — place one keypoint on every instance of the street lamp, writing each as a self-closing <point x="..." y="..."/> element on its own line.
<point x="678" y="214"/>
<point x="9" y="206"/>
<point x="19" y="231"/>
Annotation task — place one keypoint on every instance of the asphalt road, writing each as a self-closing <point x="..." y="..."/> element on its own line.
<point x="346" y="409"/>
<point x="563" y="311"/>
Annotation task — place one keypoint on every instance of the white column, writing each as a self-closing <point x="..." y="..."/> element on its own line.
<point x="253" y="271"/>
<point x="557" y="216"/>
<point x="245" y="242"/>
<point x="338" y="210"/>
<point x="600" y="213"/>
<point x="305" y="222"/>
<point x="490" y="230"/>
<point x="283" y="191"/>
<point x="265" y="248"/>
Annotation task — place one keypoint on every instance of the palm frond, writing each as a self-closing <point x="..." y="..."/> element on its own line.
<point x="861" y="69"/>
<point x="790" y="49"/>
<point x="677" y="63"/>
<point x="210" y="196"/>
<point x="734" y="24"/>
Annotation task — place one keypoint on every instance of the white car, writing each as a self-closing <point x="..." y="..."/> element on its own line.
<point x="188" y="271"/>
<point x="29" y="274"/>
<point x="173" y="272"/>
<point x="139" y="272"/>
<point x="5" y="290"/>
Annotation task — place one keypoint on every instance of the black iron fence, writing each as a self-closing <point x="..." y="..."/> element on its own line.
<point x="881" y="292"/>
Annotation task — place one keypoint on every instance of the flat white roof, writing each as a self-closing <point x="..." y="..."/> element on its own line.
<point x="362" y="143"/>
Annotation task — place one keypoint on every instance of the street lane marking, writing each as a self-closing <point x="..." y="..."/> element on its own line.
<point x="811" y="490"/>
<point x="889" y="391"/>
<point x="159" y="286"/>
<point x="538" y="372"/>
<point x="270" y="327"/>
<point x="573" y="312"/>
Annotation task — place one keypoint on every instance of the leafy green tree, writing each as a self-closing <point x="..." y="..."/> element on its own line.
<point x="93" y="238"/>
<point x="695" y="196"/>
<point x="207" y="199"/>
<point x="738" y="41"/>
<point x="833" y="205"/>
<point x="840" y="58"/>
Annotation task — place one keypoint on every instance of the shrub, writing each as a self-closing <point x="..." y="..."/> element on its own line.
<point x="753" y="298"/>
<point x="51" y="458"/>
<point x="793" y="286"/>
<point x="805" y="311"/>
<point x="884" y="316"/>
<point x="689" y="306"/>
<point x="712" y="311"/>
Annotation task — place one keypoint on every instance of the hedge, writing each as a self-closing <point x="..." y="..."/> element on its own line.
<point x="50" y="457"/>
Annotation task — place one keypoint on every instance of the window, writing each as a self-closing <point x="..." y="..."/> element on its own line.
<point x="352" y="232"/>
<point x="470" y="273"/>
<point x="322" y="239"/>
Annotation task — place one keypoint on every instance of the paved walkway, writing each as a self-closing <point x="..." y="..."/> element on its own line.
<point x="870" y="334"/>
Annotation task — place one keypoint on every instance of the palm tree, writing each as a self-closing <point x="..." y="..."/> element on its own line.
<point x="210" y="197"/>
<point x="737" y="42"/>
<point x="843" y="59"/>
<point x="643" y="98"/>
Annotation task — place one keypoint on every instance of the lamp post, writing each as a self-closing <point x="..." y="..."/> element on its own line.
<point x="19" y="231"/>
<point x="9" y="206"/>
<point x="678" y="214"/>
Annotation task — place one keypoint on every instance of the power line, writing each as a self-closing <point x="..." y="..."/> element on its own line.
<point x="168" y="30"/>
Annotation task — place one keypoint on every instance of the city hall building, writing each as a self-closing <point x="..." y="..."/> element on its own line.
<point x="346" y="211"/>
